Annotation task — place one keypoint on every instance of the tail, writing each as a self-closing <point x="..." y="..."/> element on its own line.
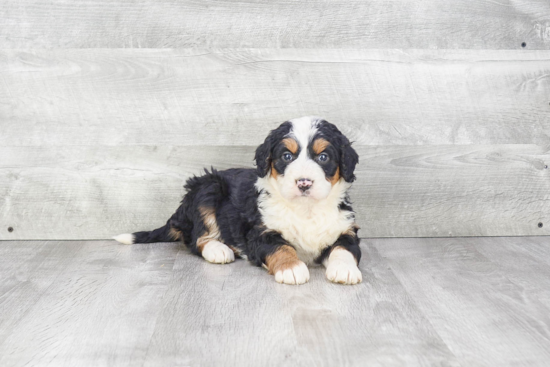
<point x="166" y="233"/>
<point x="208" y="190"/>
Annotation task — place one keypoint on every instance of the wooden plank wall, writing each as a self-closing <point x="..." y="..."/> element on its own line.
<point x="106" y="108"/>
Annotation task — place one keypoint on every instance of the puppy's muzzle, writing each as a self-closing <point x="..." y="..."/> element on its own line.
<point x="304" y="184"/>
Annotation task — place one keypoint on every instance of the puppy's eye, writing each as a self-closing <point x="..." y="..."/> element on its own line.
<point x="287" y="157"/>
<point x="323" y="157"/>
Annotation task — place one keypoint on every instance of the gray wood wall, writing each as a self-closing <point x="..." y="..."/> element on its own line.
<point x="106" y="107"/>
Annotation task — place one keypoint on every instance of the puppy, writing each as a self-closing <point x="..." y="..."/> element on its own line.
<point x="292" y="210"/>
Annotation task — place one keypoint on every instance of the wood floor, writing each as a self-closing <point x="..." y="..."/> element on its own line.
<point x="423" y="302"/>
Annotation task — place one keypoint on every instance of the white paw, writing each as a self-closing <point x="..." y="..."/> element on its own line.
<point x="344" y="273"/>
<point x="217" y="253"/>
<point x="342" y="268"/>
<point x="299" y="274"/>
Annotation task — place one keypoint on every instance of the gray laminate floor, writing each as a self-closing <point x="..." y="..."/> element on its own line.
<point x="423" y="302"/>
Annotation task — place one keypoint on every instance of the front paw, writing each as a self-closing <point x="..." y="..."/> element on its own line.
<point x="298" y="274"/>
<point x="343" y="272"/>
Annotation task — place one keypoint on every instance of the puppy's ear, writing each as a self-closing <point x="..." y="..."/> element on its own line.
<point x="263" y="157"/>
<point x="348" y="160"/>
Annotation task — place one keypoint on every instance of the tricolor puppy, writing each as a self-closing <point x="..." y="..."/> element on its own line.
<point x="290" y="211"/>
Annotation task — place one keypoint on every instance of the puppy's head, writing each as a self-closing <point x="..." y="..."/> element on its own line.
<point x="306" y="157"/>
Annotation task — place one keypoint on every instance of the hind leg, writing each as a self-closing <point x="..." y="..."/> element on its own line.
<point x="217" y="252"/>
<point x="209" y="244"/>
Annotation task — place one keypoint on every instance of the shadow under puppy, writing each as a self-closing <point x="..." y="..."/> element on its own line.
<point x="290" y="211"/>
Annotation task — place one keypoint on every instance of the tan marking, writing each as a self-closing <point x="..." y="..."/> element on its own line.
<point x="274" y="172"/>
<point x="319" y="145"/>
<point x="291" y="145"/>
<point x="284" y="258"/>
<point x="175" y="234"/>
<point x="235" y="250"/>
<point x="351" y="230"/>
<point x="334" y="179"/>
<point x="212" y="230"/>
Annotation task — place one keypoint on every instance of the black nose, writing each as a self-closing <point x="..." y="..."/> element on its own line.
<point x="304" y="184"/>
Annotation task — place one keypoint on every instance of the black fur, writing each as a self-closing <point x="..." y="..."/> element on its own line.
<point x="347" y="157"/>
<point x="277" y="152"/>
<point x="266" y="151"/>
<point x="331" y="164"/>
<point x="234" y="198"/>
<point x="349" y="242"/>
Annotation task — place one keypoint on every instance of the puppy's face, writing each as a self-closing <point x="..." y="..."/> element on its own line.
<point x="306" y="157"/>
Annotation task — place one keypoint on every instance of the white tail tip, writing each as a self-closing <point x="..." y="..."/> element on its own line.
<point x="125" y="238"/>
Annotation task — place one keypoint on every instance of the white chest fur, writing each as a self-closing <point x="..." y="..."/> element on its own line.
<point x="309" y="225"/>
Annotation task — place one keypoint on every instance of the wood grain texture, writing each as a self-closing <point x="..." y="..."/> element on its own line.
<point x="284" y="24"/>
<point x="27" y="271"/>
<point x="401" y="191"/>
<point x="439" y="191"/>
<point x="156" y="305"/>
<point x="238" y="316"/>
<point x="422" y="302"/>
<point x="100" y="310"/>
<point x="484" y="311"/>
<point x="215" y="313"/>
<point x="380" y="325"/>
<point x="234" y="97"/>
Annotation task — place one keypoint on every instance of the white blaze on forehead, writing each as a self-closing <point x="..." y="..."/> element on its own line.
<point x="303" y="166"/>
<point x="303" y="129"/>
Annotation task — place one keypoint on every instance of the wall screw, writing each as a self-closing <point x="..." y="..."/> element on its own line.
<point x="10" y="229"/>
